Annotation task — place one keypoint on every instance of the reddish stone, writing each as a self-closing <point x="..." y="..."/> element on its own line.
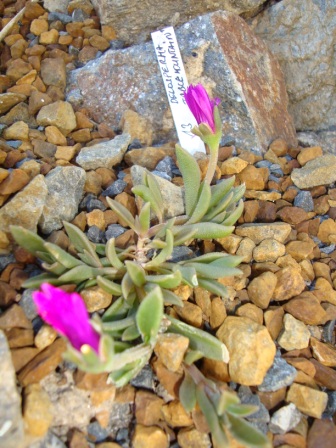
<point x="292" y="215"/>
<point x="322" y="434"/>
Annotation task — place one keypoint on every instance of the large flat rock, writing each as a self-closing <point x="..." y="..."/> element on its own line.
<point x="133" y="21"/>
<point x="218" y="50"/>
<point x="301" y="35"/>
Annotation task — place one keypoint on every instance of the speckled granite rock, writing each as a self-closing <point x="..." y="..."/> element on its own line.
<point x="220" y="51"/>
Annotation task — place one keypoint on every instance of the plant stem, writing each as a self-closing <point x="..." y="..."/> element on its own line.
<point x="212" y="166"/>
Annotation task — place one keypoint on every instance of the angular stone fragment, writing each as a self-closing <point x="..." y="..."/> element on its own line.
<point x="254" y="99"/>
<point x="59" y="114"/>
<point x="8" y="100"/>
<point x="290" y="283"/>
<point x="309" y="401"/>
<point x="285" y="419"/>
<point x="320" y="171"/>
<point x="280" y="375"/>
<point x="65" y="189"/>
<point x="259" y="232"/>
<point x="104" y="154"/>
<point x="26" y="206"/>
<point x="37" y="411"/>
<point x="295" y="335"/>
<point x="11" y="423"/>
<point x="251" y="349"/>
<point x="306" y="307"/>
<point x="170" y="349"/>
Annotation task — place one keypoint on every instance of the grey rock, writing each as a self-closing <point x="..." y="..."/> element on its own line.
<point x="162" y="174"/>
<point x="48" y="441"/>
<point x="105" y="154"/>
<point x="319" y="171"/>
<point x="285" y="419"/>
<point x="247" y="397"/>
<point x="96" y="432"/>
<point x="181" y="253"/>
<point x="301" y="36"/>
<point x="65" y="190"/>
<point x="56" y="5"/>
<point x="11" y="422"/>
<point x="120" y="418"/>
<point x="144" y="379"/>
<point x="134" y="20"/>
<point x="330" y="410"/>
<point x="166" y="165"/>
<point x="218" y="50"/>
<point x="280" y="375"/>
<point x="79" y="15"/>
<point x="14" y="143"/>
<point x="5" y="260"/>
<point x="64" y="18"/>
<point x="27" y="304"/>
<point x="325" y="139"/>
<point x="172" y="195"/>
<point x="96" y="235"/>
<point x="116" y="188"/>
<point x="114" y="230"/>
<point x="304" y="200"/>
<point x="26" y="207"/>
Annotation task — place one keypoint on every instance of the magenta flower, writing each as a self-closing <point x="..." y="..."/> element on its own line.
<point x="201" y="106"/>
<point x="66" y="312"/>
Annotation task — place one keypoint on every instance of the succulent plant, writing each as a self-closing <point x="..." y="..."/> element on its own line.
<point x="142" y="279"/>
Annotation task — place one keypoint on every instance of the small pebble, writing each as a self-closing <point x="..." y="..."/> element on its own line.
<point x="114" y="230"/>
<point x="96" y="235"/>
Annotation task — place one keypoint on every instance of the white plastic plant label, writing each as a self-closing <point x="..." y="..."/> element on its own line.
<point x="175" y="82"/>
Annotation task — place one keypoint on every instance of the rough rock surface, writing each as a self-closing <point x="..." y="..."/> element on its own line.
<point x="220" y="51"/>
<point x="11" y="423"/>
<point x="134" y="21"/>
<point x="301" y="36"/>
<point x="26" y="207"/>
<point x="65" y="190"/>
<point x="319" y="171"/>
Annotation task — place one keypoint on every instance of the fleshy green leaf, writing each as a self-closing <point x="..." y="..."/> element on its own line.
<point x="124" y="375"/>
<point x="112" y="255"/>
<point x="234" y="216"/>
<point x="144" y="218"/>
<point x="109" y="286"/>
<point x="187" y="393"/>
<point x="247" y="434"/>
<point x="145" y="193"/>
<point x="131" y="333"/>
<point x="118" y="310"/>
<point x="127" y="285"/>
<point x="219" y="190"/>
<point x="121" y="211"/>
<point x="219" y="208"/>
<point x="78" y="239"/>
<point x="202" y="204"/>
<point x="225" y="400"/>
<point x="241" y="410"/>
<point x="136" y="273"/>
<point x="192" y="356"/>
<point x="165" y="252"/>
<point x="149" y="315"/>
<point x="229" y="261"/>
<point x="183" y="234"/>
<point x="27" y="239"/>
<point x="62" y="256"/>
<point x="208" y="230"/>
<point x="191" y="177"/>
<point x="55" y="268"/>
<point x="210" y="346"/>
<point x="168" y="281"/>
<point x="189" y="276"/>
<point x="211" y="271"/>
<point x="77" y="274"/>
<point x="154" y="187"/>
<point x="213" y="286"/>
<point x="170" y="298"/>
<point x="36" y="282"/>
<point x="211" y="417"/>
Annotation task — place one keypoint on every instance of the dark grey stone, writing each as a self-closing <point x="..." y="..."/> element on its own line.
<point x="144" y="379"/>
<point x="280" y="375"/>
<point x="162" y="175"/>
<point x="116" y="188"/>
<point x="166" y="165"/>
<point x="5" y="260"/>
<point x="330" y="410"/>
<point x="304" y="200"/>
<point x="247" y="397"/>
<point x="64" y="18"/>
<point x="96" y="432"/>
<point x="27" y="304"/>
<point x="96" y="235"/>
<point x="181" y="253"/>
<point x="114" y="230"/>
<point x="14" y="143"/>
